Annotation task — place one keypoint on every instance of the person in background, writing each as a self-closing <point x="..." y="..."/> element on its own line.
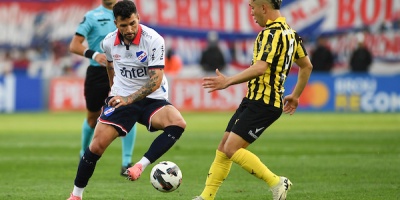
<point x="173" y="63"/>
<point x="276" y="48"/>
<point x="322" y="57"/>
<point x="96" y="24"/>
<point x="135" y="62"/>
<point x="361" y="58"/>
<point x="212" y="57"/>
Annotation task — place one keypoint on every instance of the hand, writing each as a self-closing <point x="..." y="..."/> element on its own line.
<point x="290" y="104"/>
<point x="118" y="101"/>
<point x="101" y="59"/>
<point x="218" y="82"/>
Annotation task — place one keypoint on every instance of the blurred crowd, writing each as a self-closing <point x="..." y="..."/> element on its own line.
<point x="350" y="51"/>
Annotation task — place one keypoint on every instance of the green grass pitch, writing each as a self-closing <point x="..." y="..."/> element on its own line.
<point x="327" y="156"/>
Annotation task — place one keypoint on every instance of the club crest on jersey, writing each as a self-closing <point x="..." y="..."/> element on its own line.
<point x="108" y="111"/>
<point x="141" y="55"/>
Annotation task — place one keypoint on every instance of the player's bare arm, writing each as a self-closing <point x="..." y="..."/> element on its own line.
<point x="291" y="101"/>
<point x="155" y="79"/>
<point x="110" y="73"/>
<point x="76" y="46"/>
<point x="221" y="81"/>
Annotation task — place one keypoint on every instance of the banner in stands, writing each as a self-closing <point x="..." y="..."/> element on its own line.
<point x="185" y="24"/>
<point x="66" y="94"/>
<point x="347" y="93"/>
<point x="21" y="93"/>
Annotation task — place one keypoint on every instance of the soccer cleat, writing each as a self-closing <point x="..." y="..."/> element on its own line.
<point x="280" y="190"/>
<point x="72" y="197"/>
<point x="133" y="173"/>
<point x="198" y="198"/>
<point x="124" y="168"/>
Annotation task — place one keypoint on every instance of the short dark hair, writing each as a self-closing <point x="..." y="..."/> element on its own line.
<point x="124" y="9"/>
<point x="276" y="4"/>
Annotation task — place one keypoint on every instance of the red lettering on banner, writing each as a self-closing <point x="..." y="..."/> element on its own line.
<point x="375" y="11"/>
<point x="161" y="8"/>
<point x="189" y="95"/>
<point x="66" y="94"/>
<point x="222" y="15"/>
<point x="298" y="15"/>
<point x="204" y="13"/>
<point x="236" y="13"/>
<point x="322" y="3"/>
<point x="183" y="12"/>
<point x="346" y="15"/>
<point x="388" y="10"/>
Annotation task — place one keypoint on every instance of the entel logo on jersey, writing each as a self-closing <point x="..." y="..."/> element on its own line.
<point x="116" y="57"/>
<point x="141" y="55"/>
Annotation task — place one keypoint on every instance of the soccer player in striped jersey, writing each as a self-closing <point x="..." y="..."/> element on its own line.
<point x="276" y="48"/>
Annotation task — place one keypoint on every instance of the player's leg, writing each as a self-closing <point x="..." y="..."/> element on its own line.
<point x="221" y="165"/>
<point x="253" y="121"/>
<point x="251" y="124"/>
<point x="87" y="130"/>
<point x="96" y="90"/>
<point x="163" y="117"/>
<point x="128" y="143"/>
<point x="103" y="136"/>
<point x="217" y="173"/>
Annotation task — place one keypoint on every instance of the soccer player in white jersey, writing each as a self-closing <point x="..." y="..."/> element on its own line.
<point x="135" y="55"/>
<point x="96" y="24"/>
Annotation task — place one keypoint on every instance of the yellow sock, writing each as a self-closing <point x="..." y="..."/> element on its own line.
<point x="218" y="172"/>
<point x="251" y="163"/>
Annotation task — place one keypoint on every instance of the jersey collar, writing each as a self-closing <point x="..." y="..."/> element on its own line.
<point x="279" y="19"/>
<point x="135" y="41"/>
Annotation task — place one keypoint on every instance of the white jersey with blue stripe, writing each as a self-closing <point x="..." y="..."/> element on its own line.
<point x="131" y="62"/>
<point x="96" y="24"/>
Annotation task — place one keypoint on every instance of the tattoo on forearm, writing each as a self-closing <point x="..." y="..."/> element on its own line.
<point x="147" y="89"/>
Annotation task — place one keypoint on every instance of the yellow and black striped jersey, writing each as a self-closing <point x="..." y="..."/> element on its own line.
<point x="279" y="46"/>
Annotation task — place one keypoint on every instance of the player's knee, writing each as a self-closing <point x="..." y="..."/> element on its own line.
<point x="92" y="122"/>
<point x="229" y="151"/>
<point x="181" y="123"/>
<point x="174" y="132"/>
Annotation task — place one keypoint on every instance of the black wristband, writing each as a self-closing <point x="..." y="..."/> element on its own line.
<point x="89" y="53"/>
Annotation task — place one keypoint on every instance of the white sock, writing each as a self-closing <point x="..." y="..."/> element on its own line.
<point x="77" y="191"/>
<point x="145" y="162"/>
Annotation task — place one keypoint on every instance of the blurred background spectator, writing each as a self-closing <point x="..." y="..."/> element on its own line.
<point x="361" y="57"/>
<point x="322" y="57"/>
<point x="173" y="63"/>
<point x="212" y="57"/>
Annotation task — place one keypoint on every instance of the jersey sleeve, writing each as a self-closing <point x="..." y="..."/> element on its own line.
<point x="301" y="50"/>
<point x="85" y="26"/>
<point x="268" y="45"/>
<point x="157" y="53"/>
<point x="106" y="47"/>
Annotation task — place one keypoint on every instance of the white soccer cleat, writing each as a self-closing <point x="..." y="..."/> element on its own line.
<point x="198" y="198"/>
<point x="279" y="191"/>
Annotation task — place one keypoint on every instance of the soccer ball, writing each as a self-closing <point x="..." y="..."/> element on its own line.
<point x="166" y="176"/>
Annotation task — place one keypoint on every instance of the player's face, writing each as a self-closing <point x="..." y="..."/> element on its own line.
<point x="128" y="27"/>
<point x="257" y="13"/>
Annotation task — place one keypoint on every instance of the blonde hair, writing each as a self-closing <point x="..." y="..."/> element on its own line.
<point x="275" y="4"/>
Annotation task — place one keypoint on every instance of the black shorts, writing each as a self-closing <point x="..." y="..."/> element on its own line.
<point x="96" y="88"/>
<point x="125" y="117"/>
<point x="252" y="118"/>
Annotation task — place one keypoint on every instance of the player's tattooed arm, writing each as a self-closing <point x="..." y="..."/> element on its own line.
<point x="156" y="77"/>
